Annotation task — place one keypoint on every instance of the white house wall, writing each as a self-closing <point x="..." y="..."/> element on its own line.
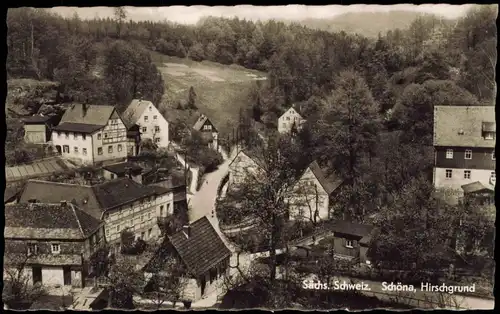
<point x="73" y="140"/>
<point x="285" y="122"/>
<point x="303" y="201"/>
<point x="163" y="135"/>
<point x="113" y="135"/>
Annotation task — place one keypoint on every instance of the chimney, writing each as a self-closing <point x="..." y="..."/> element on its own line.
<point x="187" y="230"/>
<point x="64" y="203"/>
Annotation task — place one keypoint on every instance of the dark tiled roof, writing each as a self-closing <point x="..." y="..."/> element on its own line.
<point x="462" y="126"/>
<point x="476" y="187"/>
<point x="44" y="259"/>
<point x="87" y="114"/>
<point x="198" y="121"/>
<point x="351" y="228"/>
<point x="121" y="168"/>
<point x="134" y="111"/>
<point x="53" y="192"/>
<point x="330" y="182"/>
<point x="77" y="127"/>
<point x="41" y="220"/>
<point x="489" y="126"/>
<point x="121" y="191"/>
<point x="37" y="119"/>
<point x="203" y="249"/>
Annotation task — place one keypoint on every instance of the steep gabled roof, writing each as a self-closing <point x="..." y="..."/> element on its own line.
<point x="330" y="182"/>
<point x="87" y="114"/>
<point x="198" y="121"/>
<point x="53" y="192"/>
<point x="250" y="154"/>
<point x="77" y="127"/>
<point x="37" y="119"/>
<point x="462" y="126"/>
<point x="121" y="168"/>
<point x="351" y="228"/>
<point x="134" y="111"/>
<point x="48" y="221"/>
<point x="202" y="249"/>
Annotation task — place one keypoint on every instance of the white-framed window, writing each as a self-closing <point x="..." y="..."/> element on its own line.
<point x="84" y="137"/>
<point x="155" y="117"/>
<point x="161" y="211"/>
<point x="112" y="176"/>
<point x="468" y="154"/>
<point x="120" y="147"/>
<point x="105" y="135"/>
<point x="84" y="151"/>
<point x="488" y="136"/>
<point x="207" y="127"/>
<point x="66" y="149"/>
<point x="75" y="136"/>
<point x="467" y="174"/>
<point x="99" y="151"/>
<point x="449" y="173"/>
<point x="449" y="154"/>
<point x="32" y="249"/>
<point x="99" y="136"/>
<point x="168" y="207"/>
<point x="493" y="155"/>
<point x="56" y="248"/>
<point x="348" y="244"/>
<point x="144" y="129"/>
<point x="150" y="108"/>
<point x="493" y="175"/>
<point x="118" y="228"/>
<point x="75" y="149"/>
<point x="287" y="118"/>
<point x="110" y="149"/>
<point x="157" y="129"/>
<point x="145" y="118"/>
<point x="157" y="140"/>
<point x="58" y="133"/>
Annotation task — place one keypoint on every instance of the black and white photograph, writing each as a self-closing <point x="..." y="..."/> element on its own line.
<point x="305" y="157"/>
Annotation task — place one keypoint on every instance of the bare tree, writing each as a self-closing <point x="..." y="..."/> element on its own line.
<point x="120" y="16"/>
<point x="167" y="283"/>
<point x="19" y="293"/>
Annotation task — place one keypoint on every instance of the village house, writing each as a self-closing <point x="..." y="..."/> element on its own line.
<point x="122" y="170"/>
<point x="151" y="123"/>
<point x="245" y="163"/>
<point x="352" y="240"/>
<point x="37" y="129"/>
<point x="208" y="131"/>
<point x="464" y="145"/>
<point x="133" y="140"/>
<point x="200" y="251"/>
<point x="51" y="242"/>
<point x="90" y="134"/>
<point x="310" y="196"/>
<point x="293" y="117"/>
<point x="121" y="203"/>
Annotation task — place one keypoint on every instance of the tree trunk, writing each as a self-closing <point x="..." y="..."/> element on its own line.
<point x="272" y="250"/>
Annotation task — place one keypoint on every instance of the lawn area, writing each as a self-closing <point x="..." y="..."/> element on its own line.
<point x="221" y="89"/>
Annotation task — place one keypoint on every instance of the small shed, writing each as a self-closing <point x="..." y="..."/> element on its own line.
<point x="37" y="129"/>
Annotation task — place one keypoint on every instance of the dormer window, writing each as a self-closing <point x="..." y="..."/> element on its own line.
<point x="468" y="154"/>
<point x="489" y="136"/>
<point x="449" y="154"/>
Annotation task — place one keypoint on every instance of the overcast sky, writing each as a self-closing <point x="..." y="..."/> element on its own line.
<point x="191" y="14"/>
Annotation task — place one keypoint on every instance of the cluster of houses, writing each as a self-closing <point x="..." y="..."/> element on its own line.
<point x="93" y="135"/>
<point x="52" y="228"/>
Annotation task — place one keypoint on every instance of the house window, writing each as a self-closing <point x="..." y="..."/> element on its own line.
<point x="348" y="244"/>
<point x="155" y="117"/>
<point x="488" y="136"/>
<point x="112" y="176"/>
<point x="143" y="235"/>
<point x="120" y="147"/>
<point x="105" y="135"/>
<point x="157" y="129"/>
<point x="284" y="124"/>
<point x="449" y="154"/>
<point x="468" y="154"/>
<point x="84" y="151"/>
<point x="118" y="228"/>
<point x="75" y="136"/>
<point x="110" y="149"/>
<point x="157" y="140"/>
<point x="66" y="135"/>
<point x="168" y="208"/>
<point x="76" y="150"/>
<point x="99" y="136"/>
<point x="467" y="174"/>
<point x="66" y="149"/>
<point x="84" y="137"/>
<point x="142" y="217"/>
<point x="161" y="211"/>
<point x="56" y="248"/>
<point x="150" y="231"/>
<point x="144" y="129"/>
<point x="493" y="155"/>
<point x="448" y="173"/>
<point x="99" y="151"/>
<point x="145" y="118"/>
<point x="58" y="133"/>
<point x="207" y="127"/>
<point x="150" y="108"/>
<point x="32" y="249"/>
<point x="287" y="118"/>
<point x="149" y="215"/>
<point x="493" y="175"/>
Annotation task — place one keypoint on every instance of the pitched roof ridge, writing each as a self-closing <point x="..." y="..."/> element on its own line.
<point x="57" y="183"/>
<point x="73" y="207"/>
